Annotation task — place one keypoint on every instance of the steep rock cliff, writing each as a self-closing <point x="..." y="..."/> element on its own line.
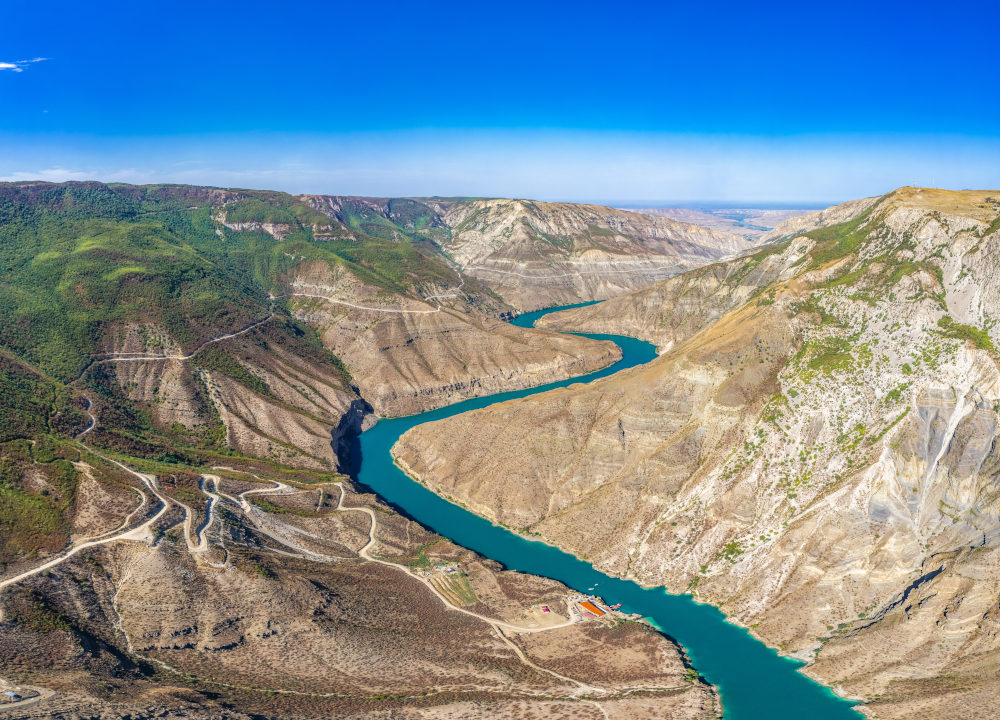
<point x="817" y="460"/>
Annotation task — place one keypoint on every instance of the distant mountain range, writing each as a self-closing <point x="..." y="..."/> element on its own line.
<point x="749" y="223"/>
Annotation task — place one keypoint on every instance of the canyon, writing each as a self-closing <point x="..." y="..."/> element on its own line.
<point x="187" y="373"/>
<point x="813" y="451"/>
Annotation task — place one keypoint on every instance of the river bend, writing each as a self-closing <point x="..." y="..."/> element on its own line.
<point x="754" y="682"/>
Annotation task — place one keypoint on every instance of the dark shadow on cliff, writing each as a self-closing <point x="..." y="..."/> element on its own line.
<point x="346" y="443"/>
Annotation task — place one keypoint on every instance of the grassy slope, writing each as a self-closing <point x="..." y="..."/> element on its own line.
<point x="80" y="260"/>
<point x="77" y="260"/>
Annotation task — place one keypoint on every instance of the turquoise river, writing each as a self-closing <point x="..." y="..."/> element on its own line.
<point x="755" y="683"/>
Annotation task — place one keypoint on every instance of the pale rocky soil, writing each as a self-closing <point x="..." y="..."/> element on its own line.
<point x="100" y="504"/>
<point x="537" y="254"/>
<point x="275" y="628"/>
<point x="813" y="452"/>
<point x="292" y="423"/>
<point x="408" y="356"/>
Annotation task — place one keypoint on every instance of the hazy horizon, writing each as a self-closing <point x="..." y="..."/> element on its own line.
<point x="622" y="204"/>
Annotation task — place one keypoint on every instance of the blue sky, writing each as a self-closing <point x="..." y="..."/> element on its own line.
<point x="617" y="102"/>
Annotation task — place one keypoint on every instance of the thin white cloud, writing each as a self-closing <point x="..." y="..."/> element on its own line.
<point x="19" y="65"/>
<point x="55" y="174"/>
<point x="61" y="174"/>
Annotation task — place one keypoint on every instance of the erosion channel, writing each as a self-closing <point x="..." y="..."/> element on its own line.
<point x="753" y="680"/>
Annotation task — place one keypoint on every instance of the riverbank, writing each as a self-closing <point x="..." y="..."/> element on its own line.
<point x="753" y="680"/>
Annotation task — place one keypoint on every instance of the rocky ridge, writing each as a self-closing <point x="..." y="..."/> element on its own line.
<point x="411" y="354"/>
<point x="538" y="254"/>
<point x="170" y="493"/>
<point x="814" y="451"/>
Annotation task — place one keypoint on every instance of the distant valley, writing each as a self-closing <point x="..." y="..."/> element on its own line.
<point x="750" y="223"/>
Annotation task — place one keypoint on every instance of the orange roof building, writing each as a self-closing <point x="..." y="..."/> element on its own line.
<point x="591" y="608"/>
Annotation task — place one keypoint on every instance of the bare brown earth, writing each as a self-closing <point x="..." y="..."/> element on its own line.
<point x="279" y="616"/>
<point x="814" y="452"/>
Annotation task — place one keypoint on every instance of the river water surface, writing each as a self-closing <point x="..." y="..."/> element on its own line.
<point x="753" y="681"/>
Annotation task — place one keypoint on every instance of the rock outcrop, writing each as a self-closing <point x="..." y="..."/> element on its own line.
<point x="814" y="451"/>
<point x="538" y="254"/>
<point x="408" y="355"/>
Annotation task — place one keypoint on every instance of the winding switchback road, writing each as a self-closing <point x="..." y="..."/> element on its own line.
<point x="400" y="311"/>
<point x="152" y="357"/>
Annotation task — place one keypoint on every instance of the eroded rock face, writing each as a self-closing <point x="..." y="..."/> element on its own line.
<point x="537" y="254"/>
<point x="540" y="254"/>
<point x="669" y="312"/>
<point x="815" y="451"/>
<point x="271" y="400"/>
<point x="408" y="356"/>
<point x="644" y="433"/>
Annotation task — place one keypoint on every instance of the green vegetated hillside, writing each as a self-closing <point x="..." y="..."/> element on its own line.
<point x="80" y="259"/>
<point x="36" y="416"/>
<point x="88" y="270"/>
